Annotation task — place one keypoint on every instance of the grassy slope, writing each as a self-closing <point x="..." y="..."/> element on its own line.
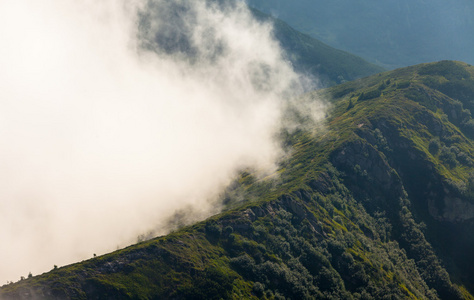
<point x="361" y="210"/>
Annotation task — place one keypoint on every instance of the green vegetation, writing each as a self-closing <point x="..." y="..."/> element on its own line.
<point x="378" y="205"/>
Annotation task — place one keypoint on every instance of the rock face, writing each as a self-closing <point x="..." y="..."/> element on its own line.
<point x="363" y="159"/>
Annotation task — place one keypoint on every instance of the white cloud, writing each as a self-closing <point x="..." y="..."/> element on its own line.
<point x="101" y="140"/>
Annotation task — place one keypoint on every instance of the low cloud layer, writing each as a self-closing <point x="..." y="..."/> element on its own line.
<point x="115" y="114"/>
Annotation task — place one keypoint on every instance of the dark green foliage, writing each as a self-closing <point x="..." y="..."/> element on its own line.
<point x="418" y="95"/>
<point x="468" y="127"/>
<point x="213" y="230"/>
<point x="464" y="159"/>
<point x="369" y="95"/>
<point x="350" y="105"/>
<point x="461" y="90"/>
<point x="470" y="187"/>
<point x="403" y="84"/>
<point x="434" y="146"/>
<point x="258" y="289"/>
<point x="210" y="284"/>
<point x="448" y="69"/>
<point x="458" y="83"/>
<point x="381" y="141"/>
<point x="343" y="92"/>
<point x="448" y="156"/>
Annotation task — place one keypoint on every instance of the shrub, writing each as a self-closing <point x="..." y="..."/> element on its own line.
<point x="369" y="95"/>
<point x="211" y="284"/>
<point x="468" y="127"/>
<point x="434" y="146"/>
<point x="228" y="230"/>
<point x="213" y="230"/>
<point x="258" y="289"/>
<point x="448" y="157"/>
<point x="403" y="84"/>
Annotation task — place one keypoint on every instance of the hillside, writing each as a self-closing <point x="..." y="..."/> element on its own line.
<point x="312" y="57"/>
<point x="390" y="33"/>
<point x="379" y="205"/>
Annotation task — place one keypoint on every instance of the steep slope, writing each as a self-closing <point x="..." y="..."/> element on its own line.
<point x="394" y="33"/>
<point x="377" y="205"/>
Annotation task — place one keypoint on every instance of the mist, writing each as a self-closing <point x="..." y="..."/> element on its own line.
<point x="116" y="114"/>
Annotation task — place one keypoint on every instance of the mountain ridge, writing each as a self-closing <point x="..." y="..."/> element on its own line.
<point x="377" y="205"/>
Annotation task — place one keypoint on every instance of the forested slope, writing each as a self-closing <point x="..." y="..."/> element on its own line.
<point x="378" y="205"/>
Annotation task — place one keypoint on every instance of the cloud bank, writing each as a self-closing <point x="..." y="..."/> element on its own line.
<point x="115" y="114"/>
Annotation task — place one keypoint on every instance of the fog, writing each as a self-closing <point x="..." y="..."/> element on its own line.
<point x="114" y="115"/>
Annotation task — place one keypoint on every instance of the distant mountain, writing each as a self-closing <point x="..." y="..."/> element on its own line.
<point x="312" y="57"/>
<point x="308" y="55"/>
<point x="389" y="33"/>
<point x="378" y="205"/>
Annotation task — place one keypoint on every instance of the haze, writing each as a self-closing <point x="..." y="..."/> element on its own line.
<point x="390" y="33"/>
<point x="102" y="140"/>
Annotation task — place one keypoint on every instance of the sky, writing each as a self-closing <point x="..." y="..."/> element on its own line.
<point x="116" y="114"/>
